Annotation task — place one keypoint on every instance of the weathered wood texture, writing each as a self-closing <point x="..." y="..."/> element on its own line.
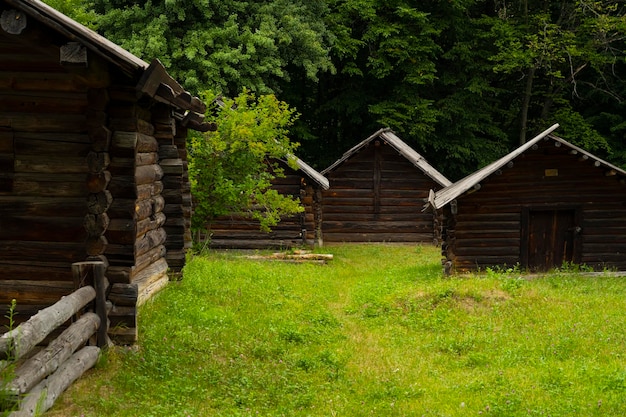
<point x="488" y="229"/>
<point x="242" y="232"/>
<point x="377" y="196"/>
<point x="44" y="144"/>
<point x="92" y="166"/>
<point x="42" y="397"/>
<point x="30" y="333"/>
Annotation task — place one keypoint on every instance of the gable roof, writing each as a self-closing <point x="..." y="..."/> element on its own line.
<point x="152" y="79"/>
<point x="403" y="149"/>
<point x="321" y="180"/>
<point x="444" y="196"/>
<point x="307" y="170"/>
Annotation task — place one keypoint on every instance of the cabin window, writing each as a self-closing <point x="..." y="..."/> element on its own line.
<point x="7" y="159"/>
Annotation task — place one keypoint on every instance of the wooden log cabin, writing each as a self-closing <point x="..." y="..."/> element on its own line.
<point x="377" y="191"/>
<point x="545" y="204"/>
<point x="241" y="231"/>
<point x="92" y="164"/>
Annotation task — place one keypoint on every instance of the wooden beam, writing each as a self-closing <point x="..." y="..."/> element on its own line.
<point x="13" y="21"/>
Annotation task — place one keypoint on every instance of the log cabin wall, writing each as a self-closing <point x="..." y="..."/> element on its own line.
<point x="239" y="231"/>
<point x="377" y="195"/>
<point x="177" y="189"/>
<point x="45" y="114"/>
<point x="136" y="236"/>
<point x="490" y="227"/>
<point x="92" y="149"/>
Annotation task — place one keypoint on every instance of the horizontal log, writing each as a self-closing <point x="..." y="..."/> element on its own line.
<point x="44" y="207"/>
<point x="149" y="241"/>
<point x="29" y="145"/>
<point x="32" y="269"/>
<point x="48" y="360"/>
<point x="172" y="166"/>
<point x="64" y="229"/>
<point x="131" y="124"/>
<point x="168" y="151"/>
<point x="146" y="158"/>
<point x="43" y="396"/>
<point x="148" y="174"/>
<point x="57" y="185"/>
<point x="122" y="294"/>
<point x="123" y="316"/>
<point x="37" y="122"/>
<point x="133" y="141"/>
<point x="254" y="244"/>
<point x="28" y="334"/>
<point x="35" y="82"/>
<point x="378" y="237"/>
<point x="146" y="191"/>
<point x="50" y="164"/>
<point x="148" y="258"/>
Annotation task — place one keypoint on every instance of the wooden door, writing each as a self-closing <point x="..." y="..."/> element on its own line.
<point x="552" y="237"/>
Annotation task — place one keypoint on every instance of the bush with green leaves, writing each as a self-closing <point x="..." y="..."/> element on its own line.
<point x="231" y="169"/>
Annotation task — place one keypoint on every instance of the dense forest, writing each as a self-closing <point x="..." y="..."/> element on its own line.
<point x="462" y="81"/>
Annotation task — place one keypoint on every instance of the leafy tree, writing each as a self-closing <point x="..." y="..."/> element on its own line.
<point x="222" y="45"/>
<point x="231" y="169"/>
<point x="563" y="53"/>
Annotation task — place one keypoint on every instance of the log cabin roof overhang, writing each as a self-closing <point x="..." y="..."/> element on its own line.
<point x="312" y="174"/>
<point x="152" y="79"/>
<point x="443" y="197"/>
<point x="389" y="137"/>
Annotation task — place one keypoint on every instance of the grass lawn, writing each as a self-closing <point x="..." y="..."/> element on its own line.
<point x="376" y="332"/>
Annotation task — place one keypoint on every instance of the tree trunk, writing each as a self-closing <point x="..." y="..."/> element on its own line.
<point x="525" y="105"/>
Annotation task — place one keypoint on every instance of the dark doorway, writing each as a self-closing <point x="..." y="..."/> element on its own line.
<point x="551" y="238"/>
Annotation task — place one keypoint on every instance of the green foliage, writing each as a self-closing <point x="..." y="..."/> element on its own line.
<point x="231" y="169"/>
<point x="7" y="368"/>
<point x="222" y="45"/>
<point x="461" y="81"/>
<point x="78" y="10"/>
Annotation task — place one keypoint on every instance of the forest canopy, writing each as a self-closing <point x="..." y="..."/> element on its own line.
<point x="462" y="81"/>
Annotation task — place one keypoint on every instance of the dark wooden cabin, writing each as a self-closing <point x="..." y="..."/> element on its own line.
<point x="92" y="164"/>
<point x="545" y="204"/>
<point x="241" y="231"/>
<point x="377" y="190"/>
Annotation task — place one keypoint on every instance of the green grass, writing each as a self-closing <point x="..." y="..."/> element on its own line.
<point x="376" y="332"/>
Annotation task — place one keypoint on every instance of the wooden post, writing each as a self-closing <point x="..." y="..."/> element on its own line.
<point x="92" y="273"/>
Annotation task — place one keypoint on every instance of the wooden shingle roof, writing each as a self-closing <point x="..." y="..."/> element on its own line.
<point x="389" y="137"/>
<point x="444" y="196"/>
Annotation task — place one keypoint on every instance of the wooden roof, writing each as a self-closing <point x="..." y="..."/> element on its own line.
<point x="321" y="180"/>
<point x="152" y="79"/>
<point x="403" y="149"/>
<point x="444" y="196"/>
